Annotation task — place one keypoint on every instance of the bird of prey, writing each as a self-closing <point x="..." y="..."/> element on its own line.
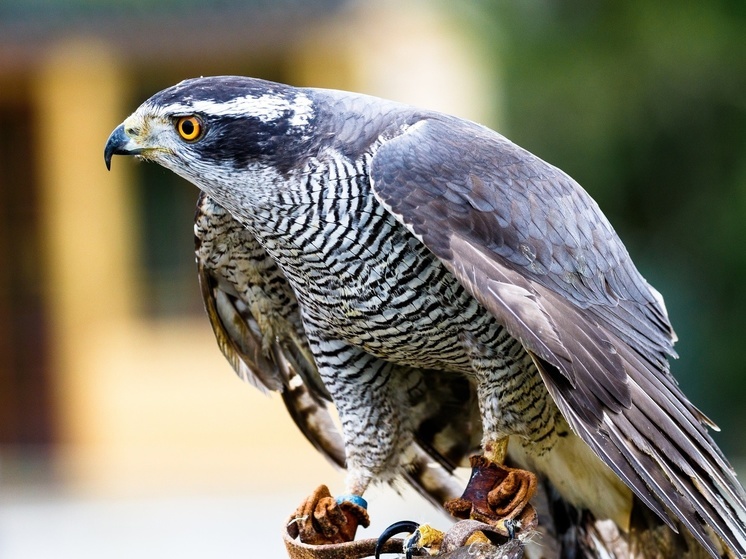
<point x="444" y="288"/>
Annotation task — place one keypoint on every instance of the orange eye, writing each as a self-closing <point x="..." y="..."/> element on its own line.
<point x="189" y="128"/>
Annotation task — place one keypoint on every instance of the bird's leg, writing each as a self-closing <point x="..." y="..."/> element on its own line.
<point x="497" y="451"/>
<point x="322" y="519"/>
<point x="497" y="494"/>
<point x="374" y="432"/>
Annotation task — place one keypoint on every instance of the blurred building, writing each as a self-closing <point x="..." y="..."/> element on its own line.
<point x="108" y="368"/>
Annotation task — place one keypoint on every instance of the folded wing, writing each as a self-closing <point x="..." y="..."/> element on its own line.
<point x="530" y="244"/>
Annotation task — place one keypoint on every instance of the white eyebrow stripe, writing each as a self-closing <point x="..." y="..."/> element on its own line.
<point x="266" y="108"/>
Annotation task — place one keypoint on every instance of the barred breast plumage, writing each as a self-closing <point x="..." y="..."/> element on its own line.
<point x="362" y="277"/>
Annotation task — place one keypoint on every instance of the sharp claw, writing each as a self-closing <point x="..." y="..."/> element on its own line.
<point x="510" y="526"/>
<point x="404" y="526"/>
<point x="410" y="543"/>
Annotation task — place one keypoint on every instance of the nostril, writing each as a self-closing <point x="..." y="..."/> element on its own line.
<point x="132" y="131"/>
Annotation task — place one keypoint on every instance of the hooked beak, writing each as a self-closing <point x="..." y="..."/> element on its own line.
<point x="119" y="143"/>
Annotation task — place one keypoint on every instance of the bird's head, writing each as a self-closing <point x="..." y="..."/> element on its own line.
<point x="213" y="127"/>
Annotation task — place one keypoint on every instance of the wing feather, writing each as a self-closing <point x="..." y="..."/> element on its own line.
<point x="532" y="247"/>
<point x="257" y="327"/>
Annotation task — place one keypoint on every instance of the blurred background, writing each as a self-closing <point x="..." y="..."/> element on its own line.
<point x="122" y="429"/>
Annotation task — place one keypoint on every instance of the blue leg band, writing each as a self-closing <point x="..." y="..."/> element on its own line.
<point x="354" y="499"/>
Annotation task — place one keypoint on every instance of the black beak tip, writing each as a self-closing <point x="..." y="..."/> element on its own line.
<point x="115" y="145"/>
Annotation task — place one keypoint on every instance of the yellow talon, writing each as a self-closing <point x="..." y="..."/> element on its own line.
<point x="477" y="537"/>
<point x="425" y="537"/>
<point x="497" y="451"/>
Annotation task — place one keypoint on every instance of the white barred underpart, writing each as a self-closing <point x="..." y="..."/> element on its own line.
<point x="266" y="108"/>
